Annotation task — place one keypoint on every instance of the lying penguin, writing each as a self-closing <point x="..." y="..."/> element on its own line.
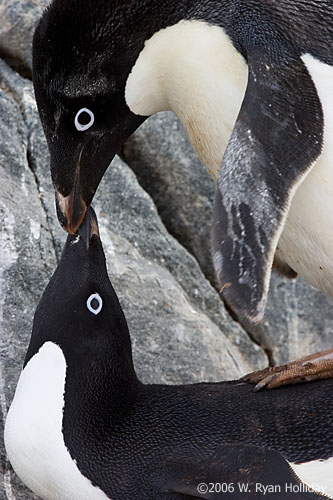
<point x="250" y="81"/>
<point x="82" y="426"/>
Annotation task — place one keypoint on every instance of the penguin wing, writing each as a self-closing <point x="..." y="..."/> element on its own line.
<point x="276" y="140"/>
<point x="237" y="472"/>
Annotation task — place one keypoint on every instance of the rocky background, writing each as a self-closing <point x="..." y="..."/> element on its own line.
<point x="154" y="207"/>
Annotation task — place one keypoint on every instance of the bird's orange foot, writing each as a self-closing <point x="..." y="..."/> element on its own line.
<point x="313" y="367"/>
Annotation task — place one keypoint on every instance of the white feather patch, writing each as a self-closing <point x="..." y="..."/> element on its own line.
<point x="33" y="432"/>
<point x="317" y="474"/>
<point x="192" y="69"/>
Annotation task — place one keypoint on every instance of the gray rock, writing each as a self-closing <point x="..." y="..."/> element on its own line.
<point x="168" y="168"/>
<point x="27" y="259"/>
<point x="298" y="319"/>
<point x="18" y="21"/>
<point x="180" y="329"/>
<point x="37" y="151"/>
<point x="187" y="318"/>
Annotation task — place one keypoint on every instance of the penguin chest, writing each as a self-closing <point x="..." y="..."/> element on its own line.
<point x="192" y="69"/>
<point x="307" y="239"/>
<point x="33" y="432"/>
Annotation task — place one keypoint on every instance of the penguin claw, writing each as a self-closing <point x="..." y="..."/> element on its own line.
<point x="270" y="382"/>
<point x="264" y="379"/>
<point x="313" y="367"/>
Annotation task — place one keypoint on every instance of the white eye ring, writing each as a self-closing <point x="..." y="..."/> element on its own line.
<point x="100" y="303"/>
<point x="79" y="125"/>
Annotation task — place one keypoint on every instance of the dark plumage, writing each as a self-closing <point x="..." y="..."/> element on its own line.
<point x="151" y="442"/>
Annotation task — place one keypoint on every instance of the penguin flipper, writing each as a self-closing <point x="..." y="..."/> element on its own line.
<point x="276" y="140"/>
<point x="234" y="471"/>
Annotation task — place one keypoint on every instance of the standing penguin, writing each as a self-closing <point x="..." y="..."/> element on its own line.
<point x="83" y="427"/>
<point x="251" y="83"/>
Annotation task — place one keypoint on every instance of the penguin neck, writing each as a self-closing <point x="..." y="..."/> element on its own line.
<point x="98" y="363"/>
<point x="106" y="382"/>
<point x="192" y="69"/>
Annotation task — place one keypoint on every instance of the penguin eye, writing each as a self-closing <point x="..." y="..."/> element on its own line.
<point x="84" y="119"/>
<point x="95" y="303"/>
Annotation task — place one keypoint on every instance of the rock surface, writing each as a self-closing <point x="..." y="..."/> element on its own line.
<point x="18" y="21"/>
<point x="298" y="318"/>
<point x="180" y="329"/>
<point x="156" y="237"/>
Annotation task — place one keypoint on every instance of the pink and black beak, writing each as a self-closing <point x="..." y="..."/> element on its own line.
<point x="71" y="209"/>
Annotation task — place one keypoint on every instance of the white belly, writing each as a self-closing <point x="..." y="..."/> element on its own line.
<point x="317" y="474"/>
<point x="33" y="431"/>
<point x="306" y="243"/>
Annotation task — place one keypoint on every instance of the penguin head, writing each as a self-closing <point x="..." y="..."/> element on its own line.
<point x="79" y="310"/>
<point x="81" y="62"/>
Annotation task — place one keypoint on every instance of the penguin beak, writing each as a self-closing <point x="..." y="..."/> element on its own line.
<point x="89" y="227"/>
<point x="71" y="209"/>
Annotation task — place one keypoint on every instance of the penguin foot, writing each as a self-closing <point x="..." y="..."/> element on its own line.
<point x="313" y="367"/>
